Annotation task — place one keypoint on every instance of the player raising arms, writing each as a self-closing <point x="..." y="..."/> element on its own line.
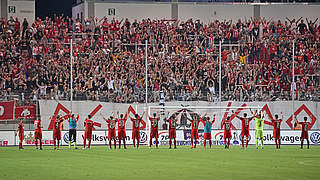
<point x="207" y="129"/>
<point x="38" y="133"/>
<point x="304" y="130"/>
<point x="122" y="129"/>
<point x="136" y="129"/>
<point x="111" y="130"/>
<point x="88" y="124"/>
<point x="259" y="118"/>
<point x="244" y="128"/>
<point x="276" y="123"/>
<point x="227" y="132"/>
<point x="56" y="131"/>
<point x="73" y="130"/>
<point x="20" y="130"/>
<point x="172" y="130"/>
<point x="154" y="129"/>
<point x="194" y="130"/>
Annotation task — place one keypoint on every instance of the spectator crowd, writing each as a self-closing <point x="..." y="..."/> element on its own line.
<point x="183" y="59"/>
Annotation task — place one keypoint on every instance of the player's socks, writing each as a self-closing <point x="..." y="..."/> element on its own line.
<point x="247" y="141"/>
<point x="89" y="143"/>
<point x="150" y="143"/>
<point x="228" y="143"/>
<point x="170" y="142"/>
<point x="58" y="143"/>
<point x="115" y="144"/>
<point x="279" y="143"/>
<point x="175" y="143"/>
<point x="308" y="143"/>
<point x="204" y="144"/>
<point x="191" y="143"/>
<point x="69" y="144"/>
<point x="54" y="144"/>
<point x="195" y="143"/>
<point x="75" y="145"/>
<point x="138" y="141"/>
<point x="157" y="142"/>
<point x="210" y="143"/>
<point x="302" y="143"/>
<point x="225" y="143"/>
<point x="124" y="144"/>
<point x="134" y="142"/>
<point x="257" y="142"/>
<point x="36" y="144"/>
<point x="110" y="144"/>
<point x="84" y="143"/>
<point x="276" y="143"/>
<point x="262" y="144"/>
<point x="40" y="144"/>
<point x="242" y="141"/>
<point x="20" y="145"/>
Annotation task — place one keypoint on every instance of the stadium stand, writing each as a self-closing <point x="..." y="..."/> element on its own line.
<point x="183" y="59"/>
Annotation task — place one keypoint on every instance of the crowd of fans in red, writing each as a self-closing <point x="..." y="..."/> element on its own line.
<point x="183" y="59"/>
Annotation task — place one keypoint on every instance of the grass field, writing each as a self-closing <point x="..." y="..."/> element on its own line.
<point x="289" y="162"/>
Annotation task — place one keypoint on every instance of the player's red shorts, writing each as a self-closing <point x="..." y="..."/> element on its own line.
<point x="136" y="134"/>
<point x="207" y="136"/>
<point x="122" y="134"/>
<point x="112" y="134"/>
<point x="245" y="132"/>
<point x="304" y="135"/>
<point x="227" y="134"/>
<point x="194" y="134"/>
<point x="21" y="136"/>
<point x="172" y="133"/>
<point x="154" y="134"/>
<point x="57" y="135"/>
<point x="276" y="133"/>
<point x="88" y="134"/>
<point x="37" y="135"/>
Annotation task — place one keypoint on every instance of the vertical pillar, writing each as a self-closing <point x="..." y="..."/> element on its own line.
<point x="174" y="9"/>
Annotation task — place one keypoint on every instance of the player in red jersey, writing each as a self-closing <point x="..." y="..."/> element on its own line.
<point x="227" y="132"/>
<point x="122" y="129"/>
<point x="57" y="131"/>
<point x="20" y="130"/>
<point x="194" y="130"/>
<point x="245" y="128"/>
<point x="172" y="130"/>
<point x="38" y="133"/>
<point x="111" y="130"/>
<point x="154" y="129"/>
<point x="304" y="130"/>
<point x="136" y="129"/>
<point x="276" y="123"/>
<point x="207" y="129"/>
<point x="88" y="124"/>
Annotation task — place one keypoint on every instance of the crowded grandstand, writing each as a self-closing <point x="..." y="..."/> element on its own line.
<point x="183" y="57"/>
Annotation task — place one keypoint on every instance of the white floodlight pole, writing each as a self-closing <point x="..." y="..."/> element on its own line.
<point x="71" y="78"/>
<point x="292" y="88"/>
<point x="220" y="72"/>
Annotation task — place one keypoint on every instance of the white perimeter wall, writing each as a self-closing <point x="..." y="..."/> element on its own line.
<point x="204" y="11"/>
<point x="291" y="11"/>
<point x="209" y="12"/>
<point x="24" y="9"/>
<point x="78" y="9"/>
<point x="133" y="11"/>
<point x="83" y="108"/>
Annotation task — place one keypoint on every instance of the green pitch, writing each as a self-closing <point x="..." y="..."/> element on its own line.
<point x="289" y="162"/>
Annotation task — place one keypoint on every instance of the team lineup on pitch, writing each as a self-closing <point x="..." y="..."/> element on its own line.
<point x="119" y="134"/>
